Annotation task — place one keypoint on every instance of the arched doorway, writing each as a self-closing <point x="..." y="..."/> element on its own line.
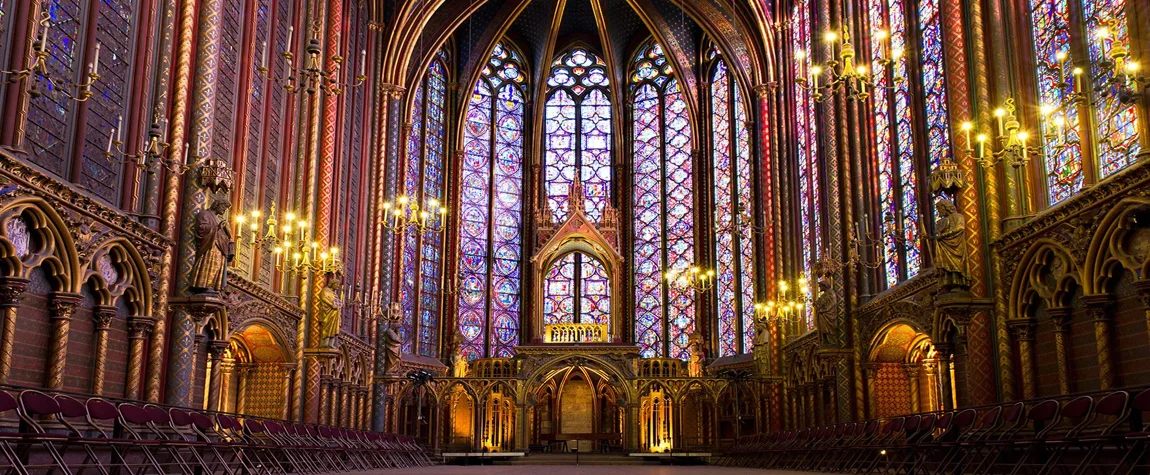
<point x="257" y="370"/>
<point x="903" y="373"/>
<point x="577" y="407"/>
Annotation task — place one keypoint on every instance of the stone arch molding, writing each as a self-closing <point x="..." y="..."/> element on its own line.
<point x="1120" y="243"/>
<point x="32" y="235"/>
<point x="1048" y="274"/>
<point x="536" y="377"/>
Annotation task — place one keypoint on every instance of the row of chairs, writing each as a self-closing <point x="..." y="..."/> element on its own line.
<point x="1101" y="433"/>
<point x="62" y="434"/>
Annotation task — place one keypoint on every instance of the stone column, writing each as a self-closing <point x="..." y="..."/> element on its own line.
<point x="334" y="405"/>
<point x="216" y="352"/>
<point x="324" y="400"/>
<point x="946" y="391"/>
<point x="912" y="379"/>
<point x="1143" y="287"/>
<point x="871" y="372"/>
<point x="930" y="367"/>
<point x="11" y="291"/>
<point x="812" y="415"/>
<point x="1100" y="312"/>
<point x="346" y="404"/>
<point x="243" y="371"/>
<point x="1060" y="318"/>
<point x="289" y="376"/>
<point x="102" y="316"/>
<point x="1023" y="331"/>
<point x="139" y="330"/>
<point x="819" y="401"/>
<point x="62" y="306"/>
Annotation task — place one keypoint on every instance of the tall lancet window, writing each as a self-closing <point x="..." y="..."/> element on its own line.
<point x="422" y="258"/>
<point x="1051" y="27"/>
<point x="1117" y="123"/>
<point x="577" y="130"/>
<point x="491" y="210"/>
<point x="664" y="223"/>
<point x="806" y="136"/>
<point x="894" y="147"/>
<point x="733" y="203"/>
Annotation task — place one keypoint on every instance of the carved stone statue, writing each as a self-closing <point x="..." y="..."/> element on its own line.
<point x="214" y="249"/>
<point x="949" y="245"/>
<point x="328" y="310"/>
<point x="697" y="351"/>
<point x="458" y="361"/>
<point x="761" y="349"/>
<point x="825" y="314"/>
<point x="392" y="342"/>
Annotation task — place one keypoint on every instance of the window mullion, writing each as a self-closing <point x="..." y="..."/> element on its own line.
<point x="489" y="291"/>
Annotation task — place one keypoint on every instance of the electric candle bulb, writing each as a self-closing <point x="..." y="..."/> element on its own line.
<point x="800" y="55"/>
<point x="96" y="61"/>
<point x="830" y="36"/>
<point x="880" y="35"/>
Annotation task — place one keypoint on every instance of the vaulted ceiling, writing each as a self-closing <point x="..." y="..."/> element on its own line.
<point x="469" y="29"/>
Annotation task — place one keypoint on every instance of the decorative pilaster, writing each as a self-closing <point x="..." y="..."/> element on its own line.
<point x="191" y="314"/>
<point x="912" y="378"/>
<point x="139" y="330"/>
<point x="1023" y="332"/>
<point x="1100" y="312"/>
<point x="11" y="291"/>
<point x="102" y="316"/>
<point x="289" y="394"/>
<point x="871" y="372"/>
<point x="944" y="352"/>
<point x="324" y="400"/>
<point x="243" y="371"/>
<point x="1060" y="318"/>
<point x="61" y="307"/>
<point x="216" y="357"/>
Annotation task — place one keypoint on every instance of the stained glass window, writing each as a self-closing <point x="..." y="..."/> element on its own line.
<point x="48" y="116"/>
<point x="114" y="33"/>
<point x="490" y="206"/>
<point x="577" y="127"/>
<point x="664" y="224"/>
<point x="806" y="131"/>
<point x="734" y="265"/>
<point x="423" y="181"/>
<point x="1117" y="123"/>
<point x="934" y="97"/>
<point x="577" y="289"/>
<point x="894" y="147"/>
<point x="1051" y="27"/>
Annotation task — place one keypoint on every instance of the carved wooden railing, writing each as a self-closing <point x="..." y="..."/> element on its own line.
<point x="575" y="333"/>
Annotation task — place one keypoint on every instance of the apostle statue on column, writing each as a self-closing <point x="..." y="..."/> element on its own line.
<point x="825" y="314"/>
<point x="328" y="310"/>
<point x="697" y="353"/>
<point x="458" y="360"/>
<point x="949" y="246"/>
<point x="214" y="249"/>
<point x="392" y="342"/>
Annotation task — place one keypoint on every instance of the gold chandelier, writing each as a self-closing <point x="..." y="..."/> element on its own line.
<point x="692" y="277"/>
<point x="291" y="242"/>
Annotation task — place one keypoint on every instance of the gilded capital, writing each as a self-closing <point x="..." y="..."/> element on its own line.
<point x="139" y="326"/>
<point x="11" y="291"/>
<point x="1022" y="329"/>
<point x="63" y="305"/>
<point x="103" y="316"/>
<point x="1060" y="317"/>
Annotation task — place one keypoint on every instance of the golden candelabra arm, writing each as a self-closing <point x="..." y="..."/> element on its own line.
<point x="39" y="68"/>
<point x="293" y="249"/>
<point x="691" y="277"/>
<point x="405" y="214"/>
<point x="312" y="76"/>
<point x="855" y="80"/>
